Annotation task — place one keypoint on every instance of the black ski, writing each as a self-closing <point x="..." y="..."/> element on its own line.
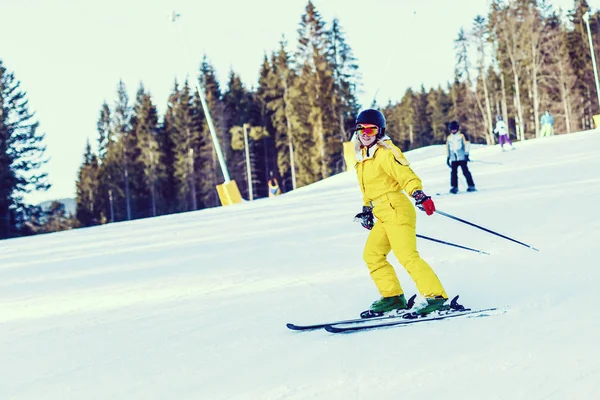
<point x="295" y="327"/>
<point x="406" y="321"/>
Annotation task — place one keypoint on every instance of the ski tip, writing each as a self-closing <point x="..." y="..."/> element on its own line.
<point x="333" y="329"/>
<point x="293" y="327"/>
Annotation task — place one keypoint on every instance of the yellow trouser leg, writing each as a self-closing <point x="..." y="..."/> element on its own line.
<point x="547" y="130"/>
<point x="382" y="272"/>
<point x="403" y="241"/>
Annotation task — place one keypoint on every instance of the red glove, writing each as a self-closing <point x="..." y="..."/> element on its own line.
<point x="424" y="202"/>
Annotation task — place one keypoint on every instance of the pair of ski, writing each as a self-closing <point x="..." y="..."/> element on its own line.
<point x="362" y="324"/>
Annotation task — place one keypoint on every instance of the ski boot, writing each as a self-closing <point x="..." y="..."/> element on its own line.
<point x="454" y="190"/>
<point x="434" y="305"/>
<point x="471" y="189"/>
<point x="388" y="304"/>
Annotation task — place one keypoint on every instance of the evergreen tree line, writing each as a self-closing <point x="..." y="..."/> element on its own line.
<point x="519" y="60"/>
<point x="21" y="159"/>
<point x="296" y="119"/>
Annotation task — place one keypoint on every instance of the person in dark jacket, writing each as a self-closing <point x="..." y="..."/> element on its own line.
<point x="457" y="146"/>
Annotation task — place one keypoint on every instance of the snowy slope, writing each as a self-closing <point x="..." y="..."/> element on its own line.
<point x="194" y="306"/>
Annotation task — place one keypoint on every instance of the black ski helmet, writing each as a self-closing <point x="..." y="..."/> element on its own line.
<point x="453" y="126"/>
<point x="374" y="117"/>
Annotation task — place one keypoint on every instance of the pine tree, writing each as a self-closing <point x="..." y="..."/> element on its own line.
<point x="581" y="62"/>
<point x="315" y="83"/>
<point x="401" y="121"/>
<point x="108" y="171"/>
<point x="560" y="83"/>
<point x="126" y="144"/>
<point x="480" y="35"/>
<point x="21" y="155"/>
<point x="508" y="30"/>
<point x="236" y="104"/>
<point x="56" y="219"/>
<point x="87" y="186"/>
<point x="145" y="129"/>
<point x="438" y="105"/>
<point x="166" y="137"/>
<point x="194" y="160"/>
<point x="423" y="129"/>
<point x="346" y="78"/>
<point x="277" y="91"/>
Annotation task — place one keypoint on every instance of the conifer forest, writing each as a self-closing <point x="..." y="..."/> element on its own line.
<point x="519" y="60"/>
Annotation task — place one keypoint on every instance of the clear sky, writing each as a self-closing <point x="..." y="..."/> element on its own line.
<point x="69" y="55"/>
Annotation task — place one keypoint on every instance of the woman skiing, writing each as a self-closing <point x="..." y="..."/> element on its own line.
<point x="384" y="174"/>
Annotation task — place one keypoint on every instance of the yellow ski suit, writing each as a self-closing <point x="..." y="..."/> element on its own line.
<point x="383" y="173"/>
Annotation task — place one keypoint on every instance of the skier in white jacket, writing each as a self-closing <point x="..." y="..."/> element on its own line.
<point x="458" y="147"/>
<point x="503" y="136"/>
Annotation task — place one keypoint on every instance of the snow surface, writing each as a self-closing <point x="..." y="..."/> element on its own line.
<point x="194" y="305"/>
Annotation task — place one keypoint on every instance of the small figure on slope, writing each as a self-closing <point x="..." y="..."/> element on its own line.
<point x="457" y="147"/>
<point x="503" y="136"/>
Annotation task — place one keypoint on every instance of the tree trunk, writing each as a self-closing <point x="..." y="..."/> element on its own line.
<point x="520" y="128"/>
<point x="564" y="93"/>
<point x="127" y="193"/>
<point x="286" y="110"/>
<point x="112" y="204"/>
<point x="534" y="88"/>
<point x="192" y="178"/>
<point x="483" y="113"/>
<point x="504" y="105"/>
<point x="490" y="122"/>
<point x="153" y="195"/>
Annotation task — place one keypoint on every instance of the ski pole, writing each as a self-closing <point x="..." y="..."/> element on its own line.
<point x="484" y="229"/>
<point x="487" y="162"/>
<point x="452" y="244"/>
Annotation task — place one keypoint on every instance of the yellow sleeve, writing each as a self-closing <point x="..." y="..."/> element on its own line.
<point x="396" y="166"/>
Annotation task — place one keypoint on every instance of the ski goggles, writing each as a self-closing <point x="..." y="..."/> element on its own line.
<point x="367" y="129"/>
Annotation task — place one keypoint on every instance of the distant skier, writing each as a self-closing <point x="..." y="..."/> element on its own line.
<point x="457" y="147"/>
<point x="503" y="136"/>
<point x="547" y="121"/>
<point x="274" y="189"/>
<point x="383" y="173"/>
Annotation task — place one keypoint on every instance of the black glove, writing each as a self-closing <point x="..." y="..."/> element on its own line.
<point x="448" y="162"/>
<point x="365" y="218"/>
<point x="467" y="158"/>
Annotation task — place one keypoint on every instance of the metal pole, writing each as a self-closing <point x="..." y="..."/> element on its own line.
<point x="248" y="170"/>
<point x="211" y="127"/>
<point x="586" y="18"/>
<point x="452" y="244"/>
<point x="484" y="229"/>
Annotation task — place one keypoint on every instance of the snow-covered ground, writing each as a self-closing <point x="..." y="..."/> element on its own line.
<point x="194" y="306"/>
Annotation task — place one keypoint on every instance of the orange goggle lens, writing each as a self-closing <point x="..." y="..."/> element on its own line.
<point x="369" y="130"/>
